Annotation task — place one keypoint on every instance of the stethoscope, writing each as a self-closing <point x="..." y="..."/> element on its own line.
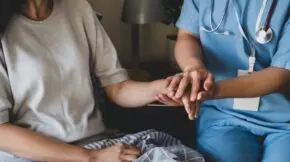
<point x="264" y="34"/>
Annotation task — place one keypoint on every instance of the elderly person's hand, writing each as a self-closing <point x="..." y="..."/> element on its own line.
<point x="116" y="153"/>
<point x="192" y="108"/>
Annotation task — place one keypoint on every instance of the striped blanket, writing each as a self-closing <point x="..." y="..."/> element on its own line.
<point x="155" y="147"/>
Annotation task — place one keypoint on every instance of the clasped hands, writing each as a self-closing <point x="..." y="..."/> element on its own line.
<point x="188" y="89"/>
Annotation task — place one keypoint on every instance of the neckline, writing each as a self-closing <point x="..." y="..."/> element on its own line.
<point x="51" y="16"/>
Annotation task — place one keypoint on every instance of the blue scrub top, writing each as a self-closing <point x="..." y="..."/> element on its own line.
<point x="225" y="54"/>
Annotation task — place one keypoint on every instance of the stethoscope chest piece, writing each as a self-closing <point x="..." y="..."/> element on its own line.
<point x="264" y="35"/>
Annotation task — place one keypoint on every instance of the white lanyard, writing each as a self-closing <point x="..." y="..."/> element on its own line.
<point x="252" y="58"/>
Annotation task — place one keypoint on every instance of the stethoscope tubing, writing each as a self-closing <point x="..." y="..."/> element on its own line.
<point x="270" y="14"/>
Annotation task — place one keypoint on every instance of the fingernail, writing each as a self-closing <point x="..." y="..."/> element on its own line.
<point x="206" y="87"/>
<point x="199" y="97"/>
<point x="191" y="117"/>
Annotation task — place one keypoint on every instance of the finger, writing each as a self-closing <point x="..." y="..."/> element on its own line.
<point x="126" y="157"/>
<point x="133" y="147"/>
<point x="196" y="109"/>
<point x="132" y="151"/>
<point x="177" y="100"/>
<point x="160" y="99"/>
<point x="174" y="100"/>
<point x="202" y="95"/>
<point x="209" y="82"/>
<point x="162" y="102"/>
<point x="191" y="116"/>
<point x="195" y="79"/>
<point x="182" y="87"/>
<point x="168" y="101"/>
<point x="168" y="81"/>
<point x="174" y="85"/>
<point x="187" y="106"/>
<point x="121" y="145"/>
<point x="169" y="78"/>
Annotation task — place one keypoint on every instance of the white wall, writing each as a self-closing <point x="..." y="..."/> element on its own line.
<point x="153" y="37"/>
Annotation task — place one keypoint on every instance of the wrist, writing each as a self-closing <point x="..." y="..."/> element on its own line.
<point x="85" y="155"/>
<point x="159" y="86"/>
<point x="216" y="92"/>
<point x="193" y="67"/>
<point x="220" y="91"/>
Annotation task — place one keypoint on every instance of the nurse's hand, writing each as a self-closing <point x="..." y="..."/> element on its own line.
<point x="199" y="82"/>
<point x="192" y="108"/>
<point x="117" y="153"/>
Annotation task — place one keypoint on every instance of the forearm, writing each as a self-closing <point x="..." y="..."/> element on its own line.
<point x="188" y="51"/>
<point x="33" y="146"/>
<point x="257" y="84"/>
<point x="135" y="94"/>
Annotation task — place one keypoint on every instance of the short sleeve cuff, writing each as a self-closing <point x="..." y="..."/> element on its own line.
<point x="282" y="62"/>
<point x="189" y="17"/>
<point x="114" y="78"/>
<point x="192" y="28"/>
<point x="4" y="116"/>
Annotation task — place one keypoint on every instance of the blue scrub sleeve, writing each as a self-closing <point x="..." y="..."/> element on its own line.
<point x="188" y="19"/>
<point x="281" y="58"/>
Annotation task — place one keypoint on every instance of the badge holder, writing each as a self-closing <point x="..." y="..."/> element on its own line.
<point x="247" y="104"/>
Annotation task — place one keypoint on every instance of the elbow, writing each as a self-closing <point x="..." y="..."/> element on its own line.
<point x="114" y="91"/>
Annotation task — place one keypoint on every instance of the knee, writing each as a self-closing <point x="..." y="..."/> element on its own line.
<point x="276" y="156"/>
<point x="277" y="148"/>
<point x="219" y="150"/>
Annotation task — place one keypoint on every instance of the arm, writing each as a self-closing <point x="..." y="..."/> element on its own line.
<point x="189" y="55"/>
<point x="188" y="51"/>
<point x="135" y="94"/>
<point x="257" y="84"/>
<point x="27" y="144"/>
<point x="114" y="78"/>
<point x="33" y="146"/>
<point x="276" y="78"/>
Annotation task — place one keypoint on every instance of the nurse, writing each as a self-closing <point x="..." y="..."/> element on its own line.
<point x="246" y="115"/>
<point x="49" y="52"/>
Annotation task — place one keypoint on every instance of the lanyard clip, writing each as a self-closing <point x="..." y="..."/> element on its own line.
<point x="252" y="61"/>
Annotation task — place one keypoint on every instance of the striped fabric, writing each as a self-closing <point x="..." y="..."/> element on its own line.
<point x="155" y="147"/>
